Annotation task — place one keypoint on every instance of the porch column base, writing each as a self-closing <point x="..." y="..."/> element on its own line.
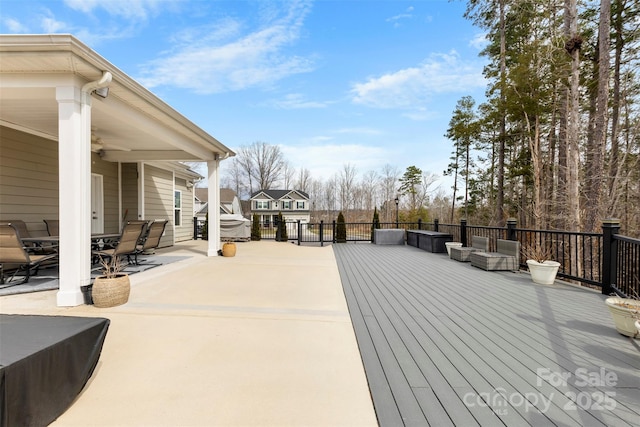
<point x="69" y="298"/>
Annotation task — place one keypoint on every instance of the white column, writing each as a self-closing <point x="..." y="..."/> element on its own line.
<point x="74" y="160"/>
<point x="214" y="206"/>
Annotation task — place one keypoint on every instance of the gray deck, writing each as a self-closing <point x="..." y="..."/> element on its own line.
<point x="445" y="343"/>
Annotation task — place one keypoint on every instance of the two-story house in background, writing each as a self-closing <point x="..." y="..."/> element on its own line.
<point x="293" y="204"/>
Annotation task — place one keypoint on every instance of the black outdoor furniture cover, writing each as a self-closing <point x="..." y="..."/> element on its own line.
<point x="45" y="361"/>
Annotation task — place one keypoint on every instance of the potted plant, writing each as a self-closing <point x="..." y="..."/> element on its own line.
<point x="112" y="288"/>
<point x="626" y="314"/>
<point x="228" y="249"/>
<point x="543" y="270"/>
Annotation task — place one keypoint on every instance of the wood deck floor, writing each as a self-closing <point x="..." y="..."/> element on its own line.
<point x="444" y="343"/>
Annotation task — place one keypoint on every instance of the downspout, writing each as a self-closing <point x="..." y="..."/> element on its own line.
<point x="97" y="84"/>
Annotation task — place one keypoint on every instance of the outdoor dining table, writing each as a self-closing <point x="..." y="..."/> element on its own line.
<point x="97" y="240"/>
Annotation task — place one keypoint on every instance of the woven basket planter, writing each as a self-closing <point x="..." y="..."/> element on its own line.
<point x="111" y="292"/>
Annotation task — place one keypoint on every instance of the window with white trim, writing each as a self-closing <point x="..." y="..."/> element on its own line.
<point x="300" y="205"/>
<point x="177" y="207"/>
<point x="286" y="204"/>
<point x="262" y="204"/>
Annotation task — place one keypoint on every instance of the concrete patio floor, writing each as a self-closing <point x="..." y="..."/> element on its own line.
<point x="263" y="339"/>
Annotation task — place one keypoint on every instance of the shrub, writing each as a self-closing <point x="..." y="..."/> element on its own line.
<point x="281" y="231"/>
<point x="341" y="230"/>
<point x="205" y="228"/>
<point x="375" y="223"/>
<point x="256" y="234"/>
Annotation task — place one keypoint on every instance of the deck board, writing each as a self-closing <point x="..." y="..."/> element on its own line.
<point x="439" y="337"/>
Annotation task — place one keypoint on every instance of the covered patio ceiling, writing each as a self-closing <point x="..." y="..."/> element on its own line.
<point x="131" y="124"/>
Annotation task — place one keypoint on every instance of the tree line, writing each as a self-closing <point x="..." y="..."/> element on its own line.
<point x="556" y="143"/>
<point x="261" y="166"/>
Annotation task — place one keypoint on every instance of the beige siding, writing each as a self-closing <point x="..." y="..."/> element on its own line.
<point x="185" y="231"/>
<point x="109" y="172"/>
<point x="158" y="189"/>
<point x="130" y="191"/>
<point x="29" y="177"/>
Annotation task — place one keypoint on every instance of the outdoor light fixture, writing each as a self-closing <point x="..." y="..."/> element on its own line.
<point x="397" y="203"/>
<point x="102" y="91"/>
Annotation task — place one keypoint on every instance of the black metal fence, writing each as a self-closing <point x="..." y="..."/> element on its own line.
<point x="604" y="260"/>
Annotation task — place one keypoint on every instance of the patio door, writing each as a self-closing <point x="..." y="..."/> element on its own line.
<point x="97" y="204"/>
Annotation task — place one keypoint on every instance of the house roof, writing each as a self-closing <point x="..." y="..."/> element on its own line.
<point x="202" y="194"/>
<point x="279" y="194"/>
<point x="130" y="124"/>
<point x="226" y="195"/>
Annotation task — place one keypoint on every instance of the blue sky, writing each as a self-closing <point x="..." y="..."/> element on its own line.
<point x="331" y="82"/>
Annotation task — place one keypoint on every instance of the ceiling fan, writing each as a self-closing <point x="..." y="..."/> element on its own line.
<point x="97" y="144"/>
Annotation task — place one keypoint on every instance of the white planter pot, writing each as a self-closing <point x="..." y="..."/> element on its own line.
<point x="624" y="312"/>
<point x="449" y="245"/>
<point x="543" y="273"/>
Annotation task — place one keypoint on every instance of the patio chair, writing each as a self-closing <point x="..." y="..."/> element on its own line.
<point x="478" y="244"/>
<point x="23" y="233"/>
<point x="145" y="228"/>
<point x="152" y="240"/>
<point x="126" y="245"/>
<point x="14" y="256"/>
<point x="53" y="226"/>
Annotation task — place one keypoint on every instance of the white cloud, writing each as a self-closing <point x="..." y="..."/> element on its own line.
<point x="359" y="131"/>
<point x="479" y="41"/>
<point x="14" y="26"/>
<point x="412" y="88"/>
<point x="395" y="19"/>
<point x="296" y="101"/>
<point x="212" y="65"/>
<point x="128" y="9"/>
<point x="51" y="25"/>
<point x="321" y="159"/>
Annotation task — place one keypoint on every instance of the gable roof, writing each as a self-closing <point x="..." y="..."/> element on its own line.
<point x="202" y="194"/>
<point x="279" y="194"/>
<point x="226" y="195"/>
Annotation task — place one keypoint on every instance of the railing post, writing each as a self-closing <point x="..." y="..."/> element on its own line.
<point x="609" y="254"/>
<point x="333" y="223"/>
<point x="436" y="223"/>
<point x="463" y="232"/>
<point x="321" y="232"/>
<point x="299" y="232"/>
<point x="511" y="229"/>
<point x="195" y="228"/>
<point x="419" y="223"/>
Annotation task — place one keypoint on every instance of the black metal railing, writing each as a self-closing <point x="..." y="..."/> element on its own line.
<point x="605" y="260"/>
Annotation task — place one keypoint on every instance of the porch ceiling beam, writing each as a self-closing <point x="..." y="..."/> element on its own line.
<point x="147" y="156"/>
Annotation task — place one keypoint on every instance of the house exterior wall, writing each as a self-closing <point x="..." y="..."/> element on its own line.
<point x="29" y="176"/>
<point x="30" y="188"/>
<point x="158" y="200"/>
<point x="129" y="174"/>
<point x="267" y="208"/>
<point x="185" y="230"/>
<point x="109" y="172"/>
